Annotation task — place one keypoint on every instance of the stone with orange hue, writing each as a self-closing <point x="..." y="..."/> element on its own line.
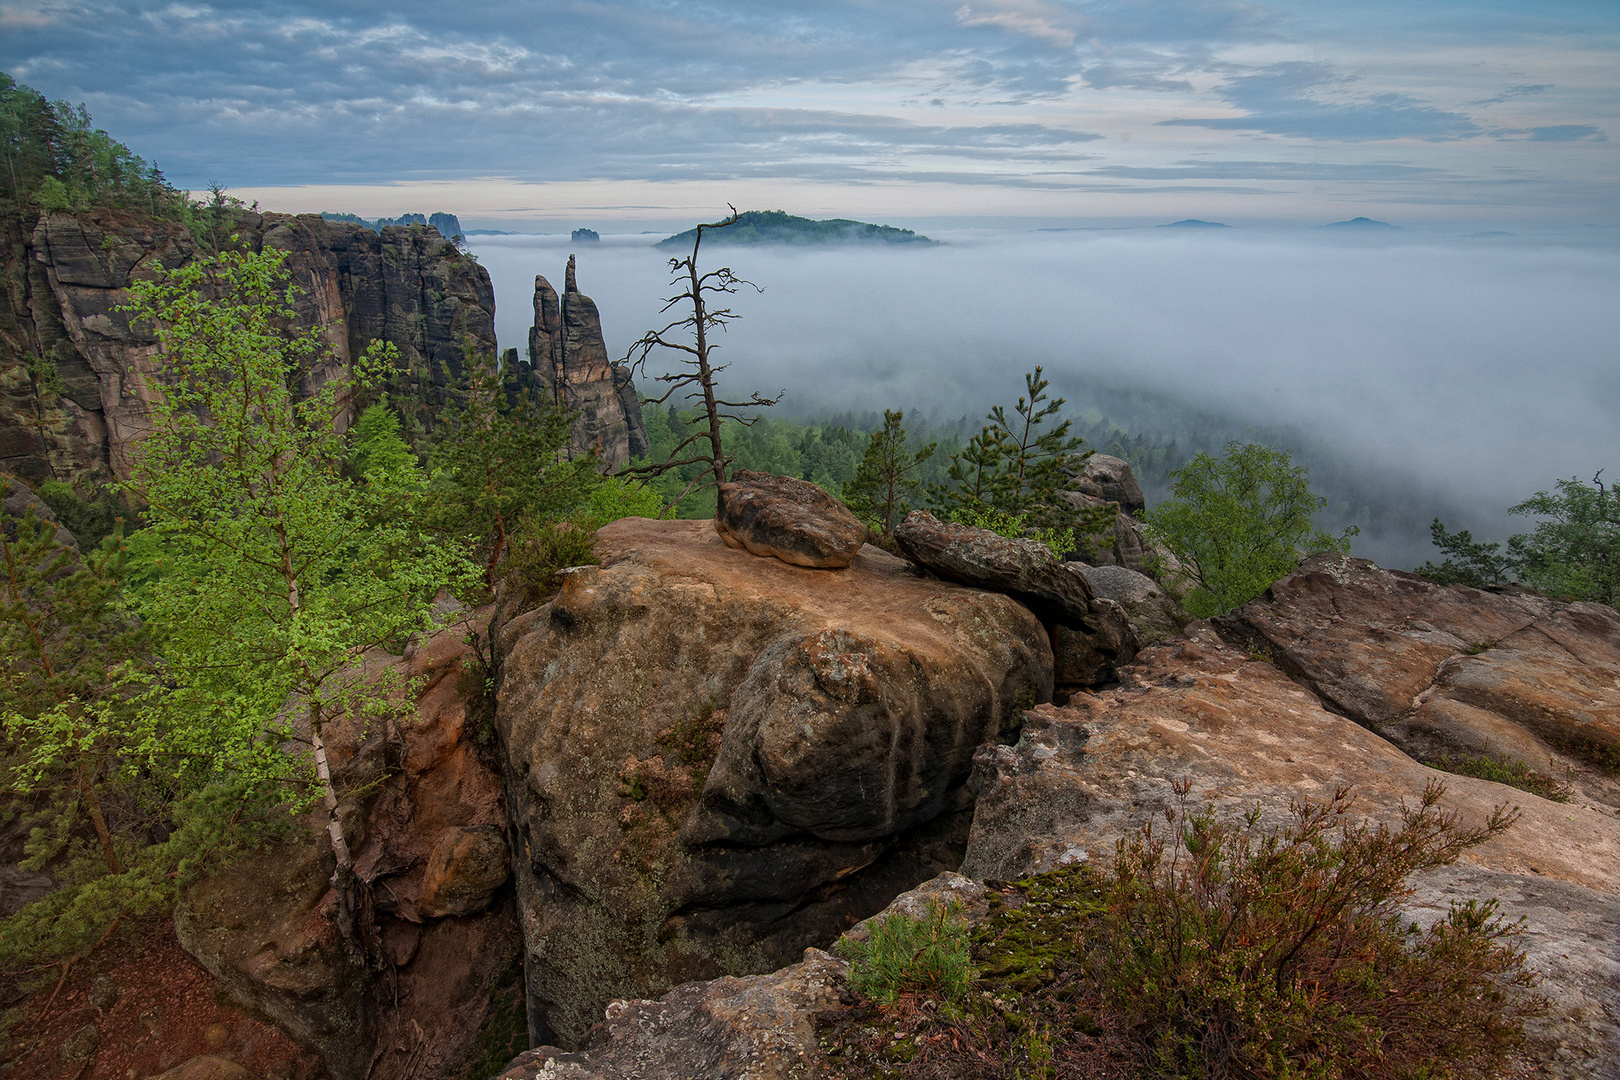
<point x="463" y="871"/>
<point x="787" y="518"/>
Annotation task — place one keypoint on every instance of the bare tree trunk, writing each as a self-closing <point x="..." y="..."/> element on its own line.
<point x="343" y="875"/>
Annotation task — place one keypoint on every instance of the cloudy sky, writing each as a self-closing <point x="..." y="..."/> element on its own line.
<point x="1421" y="111"/>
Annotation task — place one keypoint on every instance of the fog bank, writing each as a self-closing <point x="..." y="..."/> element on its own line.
<point x="1480" y="370"/>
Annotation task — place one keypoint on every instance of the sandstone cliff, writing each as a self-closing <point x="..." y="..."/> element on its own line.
<point x="77" y="382"/>
<point x="569" y="365"/>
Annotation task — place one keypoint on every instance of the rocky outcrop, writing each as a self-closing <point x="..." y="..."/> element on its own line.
<point x="1110" y="479"/>
<point x="715" y="760"/>
<point x="569" y="366"/>
<point x="406" y="999"/>
<point x="1448" y="670"/>
<point x="77" y="381"/>
<point x="1090" y="637"/>
<point x="789" y="519"/>
<point x="1248" y="736"/>
<point x="757" y="1028"/>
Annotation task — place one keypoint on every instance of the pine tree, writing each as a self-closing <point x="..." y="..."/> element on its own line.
<point x="884" y="483"/>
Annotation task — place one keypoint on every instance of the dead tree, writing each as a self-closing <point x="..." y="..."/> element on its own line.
<point x="696" y="374"/>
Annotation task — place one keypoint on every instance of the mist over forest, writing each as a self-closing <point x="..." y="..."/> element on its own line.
<point x="1415" y="375"/>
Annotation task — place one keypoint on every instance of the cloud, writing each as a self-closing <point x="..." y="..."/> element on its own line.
<point x="1267" y="170"/>
<point x="1291" y="99"/>
<point x="1514" y="92"/>
<point x="1567" y="133"/>
<point x="1030" y="19"/>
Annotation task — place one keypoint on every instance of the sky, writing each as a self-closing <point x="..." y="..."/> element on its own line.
<point x="542" y="115"/>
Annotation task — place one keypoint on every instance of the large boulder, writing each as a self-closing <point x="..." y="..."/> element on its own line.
<point x="1090" y="637"/>
<point x="715" y="760"/>
<point x="463" y="871"/>
<point x="1153" y="615"/>
<point x="1110" y="479"/>
<point x="787" y="518"/>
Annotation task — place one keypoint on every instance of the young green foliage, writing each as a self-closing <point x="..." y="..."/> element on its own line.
<point x="926" y="954"/>
<point x="278" y="570"/>
<point x="1239" y="523"/>
<point x="503" y="457"/>
<point x="1575" y="554"/>
<point x="885" y="481"/>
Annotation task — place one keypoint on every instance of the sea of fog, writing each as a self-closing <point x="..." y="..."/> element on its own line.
<point x="1479" y="369"/>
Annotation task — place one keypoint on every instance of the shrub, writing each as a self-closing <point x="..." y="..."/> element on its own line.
<point x="1238" y="953"/>
<point x="542" y="548"/>
<point x="907" y="955"/>
<point x="1505" y="770"/>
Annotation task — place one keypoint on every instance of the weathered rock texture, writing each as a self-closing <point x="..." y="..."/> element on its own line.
<point x="1111" y="480"/>
<point x="1448" y="670"/>
<point x="1152" y="614"/>
<point x="77" y="381"/>
<point x="1090" y="637"/>
<point x="715" y="760"/>
<point x="569" y="365"/>
<point x="789" y="519"/>
<point x="409" y="1003"/>
<point x="1248" y="735"/>
<point x="761" y="1027"/>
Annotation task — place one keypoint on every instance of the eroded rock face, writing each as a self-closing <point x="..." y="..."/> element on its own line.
<point x="789" y="519"/>
<point x="1090" y="637"/>
<point x="761" y="1027"/>
<point x="1111" y="480"/>
<point x="1247" y="736"/>
<point x="1152" y="614"/>
<point x="715" y="760"/>
<point x="70" y="275"/>
<point x="1448" y="670"/>
<point x="264" y="928"/>
<point x="570" y="366"/>
<point x="463" y="871"/>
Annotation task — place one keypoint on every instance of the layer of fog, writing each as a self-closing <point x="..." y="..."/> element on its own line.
<point x="1478" y="372"/>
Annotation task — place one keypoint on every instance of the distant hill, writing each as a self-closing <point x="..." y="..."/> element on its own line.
<point x="778" y="227"/>
<point x="1360" y="223"/>
<point x="1194" y="223"/>
<point x="446" y="224"/>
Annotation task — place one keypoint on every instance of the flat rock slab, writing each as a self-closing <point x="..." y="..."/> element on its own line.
<point x="1448" y="670"/>
<point x="789" y="519"/>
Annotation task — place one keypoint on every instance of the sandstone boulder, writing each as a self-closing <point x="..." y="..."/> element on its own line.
<point x="1090" y="638"/>
<point x="1111" y="480"/>
<point x="715" y="760"/>
<point x="1153" y="616"/>
<point x="790" y="519"/>
<point x="465" y="868"/>
<point x="757" y="1028"/>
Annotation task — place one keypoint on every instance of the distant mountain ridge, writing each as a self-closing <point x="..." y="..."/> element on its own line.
<point x="446" y="224"/>
<point x="780" y="227"/>
<point x="1360" y="223"/>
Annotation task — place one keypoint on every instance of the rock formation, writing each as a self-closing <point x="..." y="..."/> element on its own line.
<point x="786" y="518"/>
<point x="77" y="381"/>
<point x="1252" y="711"/>
<point x="1090" y="636"/>
<point x="426" y="823"/>
<point x="715" y="760"/>
<point x="569" y="365"/>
